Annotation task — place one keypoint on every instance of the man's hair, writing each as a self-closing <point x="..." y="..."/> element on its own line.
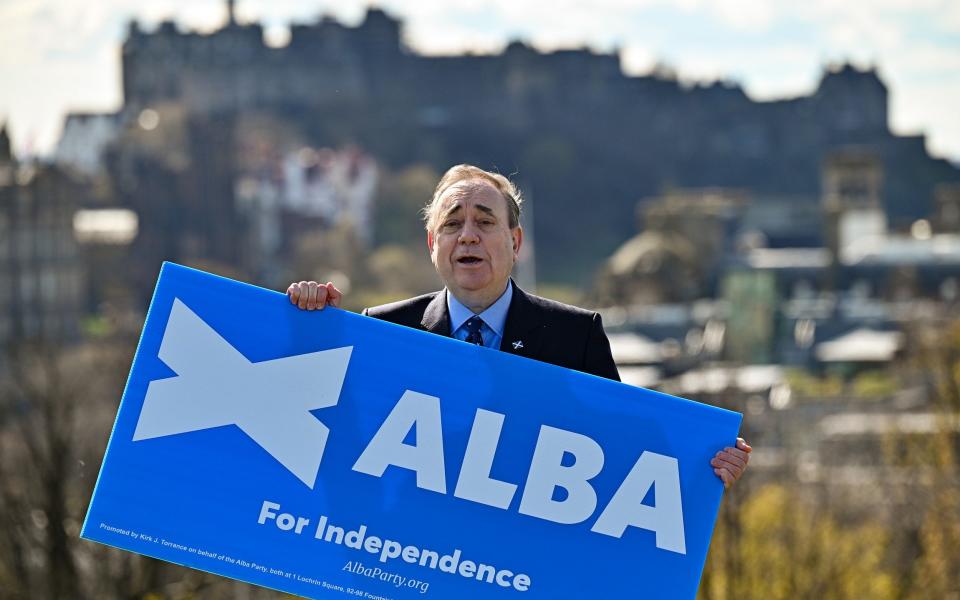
<point x="458" y="173"/>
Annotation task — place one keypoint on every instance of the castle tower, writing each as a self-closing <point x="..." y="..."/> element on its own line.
<point x="231" y="13"/>
<point x="6" y="153"/>
<point x="853" y="102"/>
<point x="852" y="179"/>
<point x="7" y="163"/>
<point x="946" y="217"/>
<point x="851" y="187"/>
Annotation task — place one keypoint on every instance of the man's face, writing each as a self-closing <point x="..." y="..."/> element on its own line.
<point x="472" y="245"/>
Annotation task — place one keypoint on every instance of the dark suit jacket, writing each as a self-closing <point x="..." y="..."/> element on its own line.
<point x="549" y="331"/>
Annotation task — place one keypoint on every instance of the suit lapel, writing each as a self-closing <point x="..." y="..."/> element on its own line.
<point x="436" y="318"/>
<point x="522" y="333"/>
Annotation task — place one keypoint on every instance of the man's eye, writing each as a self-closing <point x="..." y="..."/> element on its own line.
<point x="448" y="225"/>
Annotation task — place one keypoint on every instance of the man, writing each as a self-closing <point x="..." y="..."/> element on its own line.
<point x="474" y="237"/>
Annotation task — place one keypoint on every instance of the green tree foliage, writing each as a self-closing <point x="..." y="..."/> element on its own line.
<point x="399" y="272"/>
<point x="936" y="572"/>
<point x="784" y="541"/>
<point x="400" y="198"/>
<point x="779" y="547"/>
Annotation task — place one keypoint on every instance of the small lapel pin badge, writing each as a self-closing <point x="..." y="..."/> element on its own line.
<point x="517" y="345"/>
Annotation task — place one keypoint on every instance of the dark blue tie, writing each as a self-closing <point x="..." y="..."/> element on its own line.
<point x="473" y="326"/>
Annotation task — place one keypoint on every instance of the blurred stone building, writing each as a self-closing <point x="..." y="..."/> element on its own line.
<point x="947" y="208"/>
<point x="815" y="285"/>
<point x="41" y="284"/>
<point x="686" y="234"/>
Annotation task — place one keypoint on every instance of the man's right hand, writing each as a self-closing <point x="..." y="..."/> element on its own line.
<point x="310" y="295"/>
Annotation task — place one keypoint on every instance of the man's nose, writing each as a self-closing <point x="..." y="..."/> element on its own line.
<point x="469" y="234"/>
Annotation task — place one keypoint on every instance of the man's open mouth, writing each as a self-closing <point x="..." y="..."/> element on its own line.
<point x="469" y="260"/>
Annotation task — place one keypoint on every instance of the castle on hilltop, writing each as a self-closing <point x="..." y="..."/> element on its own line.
<point x="330" y="65"/>
<point x="570" y="123"/>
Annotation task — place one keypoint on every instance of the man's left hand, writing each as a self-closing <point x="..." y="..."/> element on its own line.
<point x="730" y="463"/>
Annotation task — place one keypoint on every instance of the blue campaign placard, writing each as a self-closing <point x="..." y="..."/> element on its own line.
<point x="328" y="454"/>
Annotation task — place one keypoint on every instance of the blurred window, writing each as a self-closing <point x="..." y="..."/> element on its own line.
<point x="48" y="285"/>
<point x="28" y="284"/>
<point x="24" y="244"/>
<point x="30" y="328"/>
<point x="46" y="243"/>
<point x="52" y="325"/>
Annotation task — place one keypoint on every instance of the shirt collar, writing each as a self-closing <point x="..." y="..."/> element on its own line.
<point x="495" y="316"/>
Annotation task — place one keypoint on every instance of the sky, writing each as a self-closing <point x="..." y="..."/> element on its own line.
<point x="58" y="56"/>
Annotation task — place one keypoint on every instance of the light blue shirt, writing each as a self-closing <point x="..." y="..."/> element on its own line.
<point x="494" y="318"/>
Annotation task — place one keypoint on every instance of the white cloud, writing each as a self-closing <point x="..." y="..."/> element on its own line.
<point x="561" y="24"/>
<point x="930" y="108"/>
<point x="950" y="20"/>
<point x="636" y="59"/>
<point x="862" y="30"/>
<point x="926" y="59"/>
<point x="745" y="15"/>
<point x="453" y="40"/>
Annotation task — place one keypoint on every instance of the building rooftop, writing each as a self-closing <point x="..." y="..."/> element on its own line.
<point x="861" y="345"/>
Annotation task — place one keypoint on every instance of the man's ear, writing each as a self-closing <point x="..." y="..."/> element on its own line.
<point x="430" y="241"/>
<point x="517" y="234"/>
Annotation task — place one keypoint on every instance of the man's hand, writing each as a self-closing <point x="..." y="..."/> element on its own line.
<point x="730" y="463"/>
<point x="310" y="295"/>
